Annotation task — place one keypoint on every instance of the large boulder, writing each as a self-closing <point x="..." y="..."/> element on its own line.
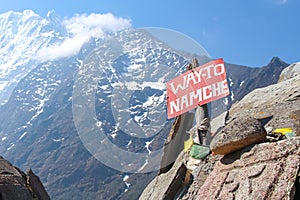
<point x="16" y="185"/>
<point x="290" y="72"/>
<point x="262" y="171"/>
<point x="238" y="134"/>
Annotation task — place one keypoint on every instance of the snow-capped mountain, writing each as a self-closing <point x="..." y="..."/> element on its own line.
<point x="130" y="97"/>
<point x="119" y="79"/>
<point x="22" y="35"/>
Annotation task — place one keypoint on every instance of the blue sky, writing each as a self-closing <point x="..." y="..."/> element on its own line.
<point x="248" y="32"/>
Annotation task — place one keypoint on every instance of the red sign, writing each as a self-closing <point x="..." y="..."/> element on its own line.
<point x="198" y="86"/>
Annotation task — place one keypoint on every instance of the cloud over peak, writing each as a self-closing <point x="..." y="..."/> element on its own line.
<point x="95" y="23"/>
<point x="81" y="28"/>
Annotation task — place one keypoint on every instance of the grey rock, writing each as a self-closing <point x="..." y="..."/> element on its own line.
<point x="36" y="185"/>
<point x="160" y="186"/>
<point x="264" y="171"/>
<point x="174" y="143"/>
<point x="290" y="72"/>
<point x="199" y="176"/>
<point x="239" y="133"/>
<point x="281" y="100"/>
<point x="16" y="185"/>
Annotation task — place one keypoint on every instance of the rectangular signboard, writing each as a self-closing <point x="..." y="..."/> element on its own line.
<point x="198" y="86"/>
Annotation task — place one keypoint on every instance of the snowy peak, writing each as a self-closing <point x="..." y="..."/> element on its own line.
<point x="51" y="14"/>
<point x="55" y="22"/>
<point x="22" y="35"/>
<point x="28" y="39"/>
<point x="16" y="16"/>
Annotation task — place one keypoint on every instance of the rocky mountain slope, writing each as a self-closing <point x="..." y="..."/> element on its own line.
<point x="37" y="128"/>
<point x="252" y="163"/>
<point x="244" y="79"/>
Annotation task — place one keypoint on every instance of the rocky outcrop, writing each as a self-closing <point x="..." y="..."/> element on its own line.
<point x="199" y="175"/>
<point x="35" y="185"/>
<point x="281" y="101"/>
<point x="263" y="171"/>
<point x="267" y="170"/>
<point x="253" y="166"/>
<point x="240" y="133"/>
<point x="16" y="185"/>
<point x="180" y="182"/>
<point x="161" y="186"/>
<point x="174" y="145"/>
<point x="292" y="71"/>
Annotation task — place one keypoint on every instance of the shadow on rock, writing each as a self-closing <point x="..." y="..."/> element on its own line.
<point x="232" y="157"/>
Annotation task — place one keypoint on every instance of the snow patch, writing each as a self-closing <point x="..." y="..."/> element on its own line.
<point x="129" y="143"/>
<point x="22" y="135"/>
<point x="98" y="123"/>
<point x="147" y="146"/>
<point x="11" y="146"/>
<point x="154" y="100"/>
<point x="230" y="82"/>
<point x="125" y="179"/>
<point x="48" y="34"/>
<point x="39" y="109"/>
<point x="3" y="84"/>
<point x="226" y="101"/>
<point x="134" y="67"/>
<point x="104" y="87"/>
<point x="144" y="165"/>
<point x="138" y="86"/>
<point x="232" y="96"/>
<point x="114" y="135"/>
<point x="138" y="119"/>
<point x="58" y="140"/>
<point x="242" y="83"/>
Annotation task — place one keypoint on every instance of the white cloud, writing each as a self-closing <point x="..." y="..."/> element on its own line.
<point x="95" y="23"/>
<point x="69" y="47"/>
<point x="82" y="28"/>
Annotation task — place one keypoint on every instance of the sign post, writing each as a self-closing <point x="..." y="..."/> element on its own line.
<point x="196" y="87"/>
